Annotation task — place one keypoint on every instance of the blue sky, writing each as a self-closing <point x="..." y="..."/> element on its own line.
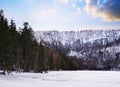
<point x="63" y="14"/>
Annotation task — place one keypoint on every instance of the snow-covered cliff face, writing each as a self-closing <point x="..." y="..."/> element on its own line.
<point x="77" y="42"/>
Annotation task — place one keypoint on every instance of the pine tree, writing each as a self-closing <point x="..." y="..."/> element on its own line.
<point x="5" y="41"/>
<point x="14" y="38"/>
<point x="27" y="39"/>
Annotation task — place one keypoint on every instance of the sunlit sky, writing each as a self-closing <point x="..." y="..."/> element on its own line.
<point x="63" y="14"/>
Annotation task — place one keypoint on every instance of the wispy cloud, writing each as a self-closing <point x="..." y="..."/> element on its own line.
<point x="63" y="1"/>
<point x="40" y="13"/>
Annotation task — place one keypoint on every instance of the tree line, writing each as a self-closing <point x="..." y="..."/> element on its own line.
<point x="20" y="51"/>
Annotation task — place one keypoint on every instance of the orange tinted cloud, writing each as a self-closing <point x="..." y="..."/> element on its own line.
<point x="109" y="10"/>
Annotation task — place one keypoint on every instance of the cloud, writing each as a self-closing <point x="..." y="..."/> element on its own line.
<point x="78" y="11"/>
<point x="81" y="1"/>
<point x="76" y="7"/>
<point x="109" y="10"/>
<point x="63" y="1"/>
<point x="69" y="1"/>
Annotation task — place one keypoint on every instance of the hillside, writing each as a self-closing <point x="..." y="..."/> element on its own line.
<point x="99" y="48"/>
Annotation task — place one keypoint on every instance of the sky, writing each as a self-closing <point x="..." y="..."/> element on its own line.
<point x="63" y="14"/>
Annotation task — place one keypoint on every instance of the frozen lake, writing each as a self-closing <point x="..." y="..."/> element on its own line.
<point x="62" y="79"/>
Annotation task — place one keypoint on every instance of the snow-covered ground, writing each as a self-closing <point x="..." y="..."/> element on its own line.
<point x="62" y="79"/>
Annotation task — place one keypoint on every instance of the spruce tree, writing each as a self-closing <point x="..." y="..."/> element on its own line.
<point x="27" y="39"/>
<point x="5" y="44"/>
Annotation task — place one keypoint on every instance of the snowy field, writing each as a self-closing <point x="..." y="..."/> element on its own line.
<point x="62" y="79"/>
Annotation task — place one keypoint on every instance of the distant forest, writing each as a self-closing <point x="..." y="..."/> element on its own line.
<point x="20" y="51"/>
